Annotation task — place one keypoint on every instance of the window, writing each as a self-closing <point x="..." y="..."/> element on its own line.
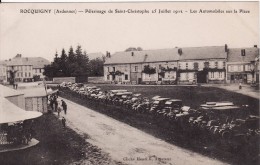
<point x="25" y="68"/>
<point x="246" y="67"/>
<point x="25" y="74"/>
<point x="187" y="65"/>
<point x="186" y="76"/>
<point x="29" y="74"/>
<point x="108" y="69"/>
<point x="220" y="74"/>
<point x="240" y="68"/>
<point x="231" y="68"/>
<point x="235" y="68"/>
<point x="211" y="74"/>
<point x="107" y="77"/>
<point x="22" y="74"/>
<point x="216" y="64"/>
<point x="126" y="77"/>
<point x="136" y="68"/>
<point x="196" y="65"/>
<point x="35" y="70"/>
<point x="114" y="69"/>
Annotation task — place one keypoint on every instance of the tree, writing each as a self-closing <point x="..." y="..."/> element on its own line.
<point x="74" y="64"/>
<point x="149" y="70"/>
<point x="96" y="67"/>
<point x="133" y="49"/>
<point x="63" y="62"/>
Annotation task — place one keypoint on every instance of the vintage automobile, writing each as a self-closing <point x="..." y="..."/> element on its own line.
<point x="171" y="108"/>
<point x="158" y="104"/>
<point x="224" y="111"/>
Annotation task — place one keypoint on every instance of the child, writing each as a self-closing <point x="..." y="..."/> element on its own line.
<point x="63" y="121"/>
<point x="240" y="85"/>
<point x="59" y="110"/>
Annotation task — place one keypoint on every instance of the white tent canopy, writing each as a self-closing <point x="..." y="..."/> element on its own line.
<point x="11" y="113"/>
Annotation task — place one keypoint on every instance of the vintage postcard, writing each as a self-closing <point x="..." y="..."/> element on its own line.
<point x="138" y="83"/>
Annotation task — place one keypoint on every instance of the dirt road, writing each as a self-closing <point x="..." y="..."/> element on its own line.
<point x="127" y="144"/>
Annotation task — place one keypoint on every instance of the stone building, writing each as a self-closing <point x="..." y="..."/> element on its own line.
<point x="202" y="64"/>
<point x="141" y="66"/>
<point x="242" y="65"/>
<point x="3" y="73"/>
<point x="22" y="69"/>
<point x="168" y="66"/>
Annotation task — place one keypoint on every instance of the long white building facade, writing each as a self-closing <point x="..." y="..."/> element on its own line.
<point x="189" y="65"/>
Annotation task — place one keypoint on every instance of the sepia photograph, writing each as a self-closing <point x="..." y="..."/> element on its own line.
<point x="129" y="83"/>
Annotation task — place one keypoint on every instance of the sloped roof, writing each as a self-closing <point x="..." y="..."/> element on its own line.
<point x="32" y="89"/>
<point x="11" y="113"/>
<point x="95" y="55"/>
<point x="36" y="62"/>
<point x="234" y="54"/>
<point x="143" y="56"/>
<point x="18" y="61"/>
<point x="188" y="53"/>
<point x="207" y="52"/>
<point x="2" y="63"/>
<point x="34" y="92"/>
<point x="7" y="92"/>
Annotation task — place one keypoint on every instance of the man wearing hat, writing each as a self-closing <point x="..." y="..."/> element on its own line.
<point x="64" y="106"/>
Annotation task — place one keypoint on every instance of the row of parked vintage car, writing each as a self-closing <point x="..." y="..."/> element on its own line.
<point x="215" y="120"/>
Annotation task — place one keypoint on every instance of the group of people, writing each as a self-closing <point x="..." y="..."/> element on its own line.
<point x="56" y="107"/>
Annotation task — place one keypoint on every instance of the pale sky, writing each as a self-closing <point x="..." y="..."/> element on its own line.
<point x="34" y="35"/>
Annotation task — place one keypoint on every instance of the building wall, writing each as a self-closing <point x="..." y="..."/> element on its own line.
<point x="123" y="68"/>
<point x="3" y="73"/>
<point x="189" y="69"/>
<point x="240" y="72"/>
<point x="36" y="104"/>
<point x="18" y="100"/>
<point x="23" y="72"/>
<point x="38" y="72"/>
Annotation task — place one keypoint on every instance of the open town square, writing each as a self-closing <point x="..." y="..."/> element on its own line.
<point x="131" y="83"/>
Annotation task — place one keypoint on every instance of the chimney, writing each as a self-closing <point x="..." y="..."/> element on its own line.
<point x="18" y="56"/>
<point x="180" y="51"/>
<point x="255" y="46"/>
<point x="243" y="52"/>
<point x="145" y="57"/>
<point x="132" y="53"/>
<point x="108" y="54"/>
<point x="226" y="48"/>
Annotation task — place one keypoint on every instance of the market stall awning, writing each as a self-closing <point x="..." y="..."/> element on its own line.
<point x="11" y="113"/>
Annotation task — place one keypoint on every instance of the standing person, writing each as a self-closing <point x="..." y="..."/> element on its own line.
<point x="63" y="121"/>
<point x="55" y="102"/>
<point x="240" y="85"/>
<point x="64" y="106"/>
<point x="59" y="110"/>
<point x="51" y="102"/>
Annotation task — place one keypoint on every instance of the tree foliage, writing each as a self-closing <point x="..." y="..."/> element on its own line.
<point x="133" y="49"/>
<point x="96" y="67"/>
<point x="74" y="64"/>
<point x="149" y="70"/>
